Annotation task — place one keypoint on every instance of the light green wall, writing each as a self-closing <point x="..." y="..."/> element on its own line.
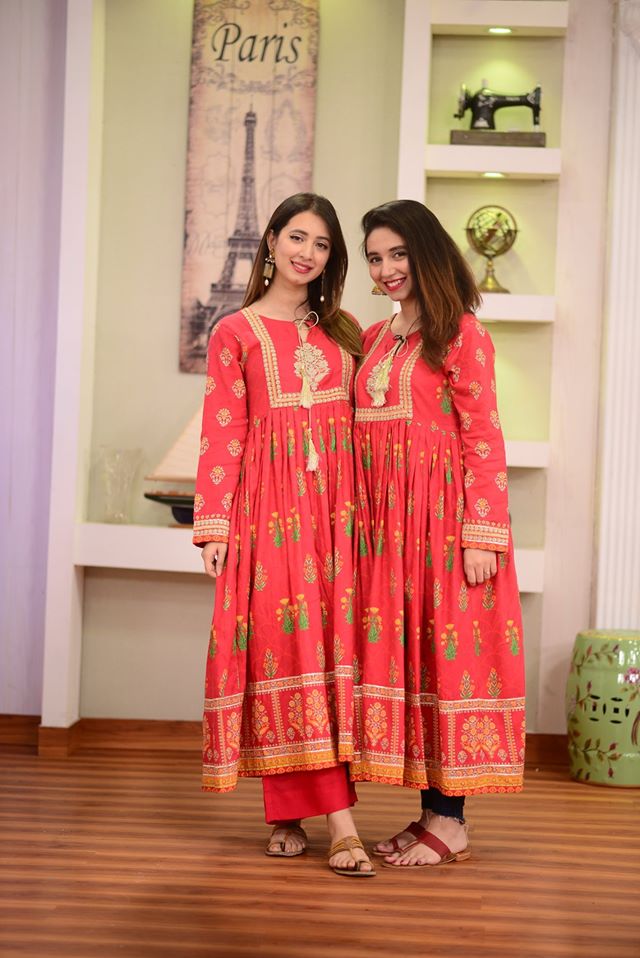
<point x="141" y="399"/>
<point x="140" y="628"/>
<point x="511" y="65"/>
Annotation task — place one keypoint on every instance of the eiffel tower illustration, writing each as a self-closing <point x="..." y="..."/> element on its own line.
<point x="226" y="295"/>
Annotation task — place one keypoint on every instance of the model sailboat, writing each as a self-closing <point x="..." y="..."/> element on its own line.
<point x="178" y="467"/>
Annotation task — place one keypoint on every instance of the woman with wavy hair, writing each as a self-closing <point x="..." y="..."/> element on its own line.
<point x="440" y="698"/>
<point x="274" y="514"/>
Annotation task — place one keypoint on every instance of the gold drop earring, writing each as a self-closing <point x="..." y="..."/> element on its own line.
<point x="322" y="288"/>
<point x="268" y="268"/>
<point x="376" y="291"/>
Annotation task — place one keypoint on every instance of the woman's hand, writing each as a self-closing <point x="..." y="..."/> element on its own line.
<point x="214" y="555"/>
<point x="479" y="565"/>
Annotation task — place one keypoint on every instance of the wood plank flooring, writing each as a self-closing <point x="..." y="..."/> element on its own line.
<point x="111" y="854"/>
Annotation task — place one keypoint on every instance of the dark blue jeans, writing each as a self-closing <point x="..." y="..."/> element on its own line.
<point x="451" y="806"/>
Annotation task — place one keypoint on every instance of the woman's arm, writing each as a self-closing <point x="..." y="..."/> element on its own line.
<point x="224" y="432"/>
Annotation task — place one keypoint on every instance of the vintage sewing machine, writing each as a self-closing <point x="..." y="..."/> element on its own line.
<point x="484" y="104"/>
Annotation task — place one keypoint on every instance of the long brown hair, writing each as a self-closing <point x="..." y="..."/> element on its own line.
<point x="443" y="282"/>
<point x="337" y="324"/>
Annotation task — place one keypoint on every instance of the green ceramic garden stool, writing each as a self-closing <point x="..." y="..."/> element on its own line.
<point x="603" y="708"/>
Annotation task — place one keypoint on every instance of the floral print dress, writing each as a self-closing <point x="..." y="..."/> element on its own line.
<point x="275" y="480"/>
<point x="440" y="682"/>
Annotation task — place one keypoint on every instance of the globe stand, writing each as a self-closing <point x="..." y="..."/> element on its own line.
<point x="490" y="284"/>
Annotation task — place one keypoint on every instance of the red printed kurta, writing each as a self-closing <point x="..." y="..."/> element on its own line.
<point x="440" y="693"/>
<point x="279" y="678"/>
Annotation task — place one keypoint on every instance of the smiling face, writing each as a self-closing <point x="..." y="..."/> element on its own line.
<point x="389" y="265"/>
<point x="301" y="249"/>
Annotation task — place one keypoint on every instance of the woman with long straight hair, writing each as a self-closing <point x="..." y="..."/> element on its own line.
<point x="274" y="514"/>
<point x="440" y="699"/>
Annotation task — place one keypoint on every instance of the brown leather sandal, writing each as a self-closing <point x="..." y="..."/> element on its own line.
<point x="280" y="852"/>
<point x="439" y="847"/>
<point x="414" y="828"/>
<point x="347" y="844"/>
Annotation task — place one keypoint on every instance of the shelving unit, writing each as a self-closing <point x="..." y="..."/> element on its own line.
<point x="515" y="162"/>
<point x="154" y="549"/>
<point x="543" y="18"/>
<point x="515" y="308"/>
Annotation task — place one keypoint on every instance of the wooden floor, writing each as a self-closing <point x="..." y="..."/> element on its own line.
<point x="120" y="854"/>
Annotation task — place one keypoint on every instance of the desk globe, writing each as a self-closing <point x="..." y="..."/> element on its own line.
<point x="491" y="231"/>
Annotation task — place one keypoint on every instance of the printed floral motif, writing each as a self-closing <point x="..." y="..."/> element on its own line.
<point x="295" y="712"/>
<point x="270" y="664"/>
<point x="449" y="641"/>
<point x="316" y="710"/>
<point x="463" y="597"/>
<point x="239" y="389"/>
<point x="226" y="357"/>
<point x="210" y="385"/>
<point x="394" y="672"/>
<point x="346" y="604"/>
<point x="320" y="655"/>
<point x="260" y="577"/>
<point x="233" y="731"/>
<point x="501" y="481"/>
<point x="494" y="685"/>
<point x="204" y="445"/>
<point x="309" y="570"/>
<point x="480" y="357"/>
<point x="512" y="635"/>
<point x="475" y="389"/>
<point x="372" y="621"/>
<point x="216" y="475"/>
<point x="494" y="419"/>
<point x="477" y="637"/>
<point x="467" y="686"/>
<point x="482" y="507"/>
<point x="276" y="529"/>
<point x="479" y="734"/>
<point x="198" y="502"/>
<point x="437" y="593"/>
<point x="223" y="416"/>
<point x="376" y="722"/>
<point x="234" y="447"/>
<point x="259" y="719"/>
<point x="465" y="420"/>
<point x="482" y="449"/>
<point x="227" y="501"/>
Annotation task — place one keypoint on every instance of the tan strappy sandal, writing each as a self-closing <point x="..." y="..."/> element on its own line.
<point x="288" y="830"/>
<point x="347" y="844"/>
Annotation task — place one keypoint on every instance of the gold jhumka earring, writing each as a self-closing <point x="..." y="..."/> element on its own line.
<point x="268" y="268"/>
<point x="376" y="291"/>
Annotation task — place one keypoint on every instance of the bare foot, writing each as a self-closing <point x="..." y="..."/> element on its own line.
<point x="402" y="838"/>
<point x="287" y="839"/>
<point x="448" y="830"/>
<point x="341" y="825"/>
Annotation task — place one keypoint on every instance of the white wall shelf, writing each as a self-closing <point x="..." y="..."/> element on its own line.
<point x="530" y="18"/>
<point x="517" y="308"/>
<point x="151" y="548"/>
<point x="527" y="455"/>
<point x="159" y="549"/>
<point x="515" y="162"/>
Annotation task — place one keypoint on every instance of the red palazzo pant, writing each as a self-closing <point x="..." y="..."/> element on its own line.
<point x="293" y="795"/>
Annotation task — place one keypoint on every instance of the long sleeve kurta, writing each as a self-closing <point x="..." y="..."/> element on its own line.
<point x="440" y="693"/>
<point x="279" y="678"/>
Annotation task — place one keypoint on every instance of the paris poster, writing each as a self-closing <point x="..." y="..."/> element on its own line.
<point x="251" y="128"/>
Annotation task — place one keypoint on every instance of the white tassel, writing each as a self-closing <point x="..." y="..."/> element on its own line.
<point x="306" y="395"/>
<point x="313" y="459"/>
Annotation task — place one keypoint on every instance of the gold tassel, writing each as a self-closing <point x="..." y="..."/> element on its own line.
<point x="313" y="459"/>
<point x="306" y="395"/>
